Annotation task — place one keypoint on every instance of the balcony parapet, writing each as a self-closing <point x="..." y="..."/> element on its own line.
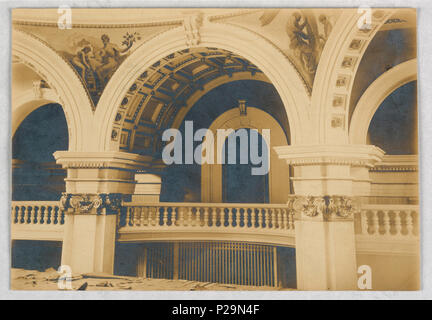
<point x="271" y="223"/>
<point x="37" y="220"/>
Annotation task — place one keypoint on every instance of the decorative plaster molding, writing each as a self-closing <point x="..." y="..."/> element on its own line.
<point x="84" y="203"/>
<point x="397" y="163"/>
<point x="83" y="160"/>
<point x="192" y="23"/>
<point x="354" y="155"/>
<point x="323" y="208"/>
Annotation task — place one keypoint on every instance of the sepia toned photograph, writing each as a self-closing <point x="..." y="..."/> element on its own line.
<point x="224" y="149"/>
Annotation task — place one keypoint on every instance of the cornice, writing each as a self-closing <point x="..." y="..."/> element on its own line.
<point x="119" y="160"/>
<point x="355" y="155"/>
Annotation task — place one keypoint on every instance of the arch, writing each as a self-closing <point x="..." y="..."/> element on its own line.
<point x="209" y="87"/>
<point x="66" y="85"/>
<point x="336" y="71"/>
<point x="375" y="95"/>
<point x="211" y="174"/>
<point x="27" y="102"/>
<point x="228" y="37"/>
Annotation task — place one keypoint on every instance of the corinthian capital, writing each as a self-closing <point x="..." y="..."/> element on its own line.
<point x="85" y="203"/>
<point x="324" y="208"/>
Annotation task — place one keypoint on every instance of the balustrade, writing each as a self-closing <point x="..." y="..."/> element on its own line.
<point x="37" y="213"/>
<point x="207" y="215"/>
<point x="388" y="221"/>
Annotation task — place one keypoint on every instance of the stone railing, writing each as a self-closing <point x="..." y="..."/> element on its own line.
<point x="36" y="220"/>
<point x="388" y="221"/>
<point x="234" y="221"/>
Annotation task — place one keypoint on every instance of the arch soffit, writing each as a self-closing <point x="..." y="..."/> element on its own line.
<point x="336" y="71"/>
<point x="375" y="94"/>
<point x="28" y="102"/>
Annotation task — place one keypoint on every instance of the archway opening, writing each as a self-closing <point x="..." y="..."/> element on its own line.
<point x="394" y="125"/>
<point x="182" y="182"/>
<point x="239" y="184"/>
<point x="35" y="174"/>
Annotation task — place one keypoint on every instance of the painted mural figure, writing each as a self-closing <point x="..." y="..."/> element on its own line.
<point x="81" y="60"/>
<point x="324" y="20"/>
<point x="111" y="57"/>
<point x="302" y="40"/>
<point x="96" y="64"/>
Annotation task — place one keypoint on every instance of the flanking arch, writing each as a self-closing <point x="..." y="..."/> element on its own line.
<point x="228" y="37"/>
<point x="211" y="174"/>
<point x="336" y="72"/>
<point x="27" y="102"/>
<point x="375" y="94"/>
<point x="66" y="86"/>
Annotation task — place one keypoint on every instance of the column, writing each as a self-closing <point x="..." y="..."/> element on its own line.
<point x="96" y="184"/>
<point x="324" y="201"/>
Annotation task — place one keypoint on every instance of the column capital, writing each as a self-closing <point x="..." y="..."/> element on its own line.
<point x="323" y="208"/>
<point x="91" y="204"/>
<point x="344" y="154"/>
<point x="109" y="159"/>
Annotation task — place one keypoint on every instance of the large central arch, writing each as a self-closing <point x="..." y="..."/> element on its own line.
<point x="235" y="39"/>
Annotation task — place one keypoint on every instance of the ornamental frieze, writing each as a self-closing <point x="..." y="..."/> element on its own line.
<point x="84" y="203"/>
<point x="324" y="208"/>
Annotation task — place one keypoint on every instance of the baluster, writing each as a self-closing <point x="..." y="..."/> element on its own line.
<point x="14" y="214"/>
<point x="50" y="215"/>
<point x="181" y="218"/>
<point x="279" y="218"/>
<point x="62" y="215"/>
<point x="284" y="219"/>
<point x="291" y="220"/>
<point x="57" y="214"/>
<point x="238" y="216"/>
<point x="155" y="214"/>
<point x="213" y="217"/>
<point x="267" y="217"/>
<point x="260" y="218"/>
<point x="174" y="216"/>
<point x="32" y="214"/>
<point x="206" y="216"/>
<point x="23" y="214"/>
<point x="189" y="215"/>
<point x="375" y="220"/>
<point x="398" y="223"/>
<point x="409" y="223"/>
<point x="144" y="216"/>
<point x="253" y="217"/>
<point x="138" y="216"/>
<point x="42" y="217"/>
<point x="386" y="223"/>
<point x="128" y="214"/>
<point x="164" y="215"/>
<point x="230" y="217"/>
<point x="364" y="222"/>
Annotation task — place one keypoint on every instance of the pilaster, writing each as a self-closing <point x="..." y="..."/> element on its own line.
<point x="325" y="199"/>
<point x="95" y="186"/>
